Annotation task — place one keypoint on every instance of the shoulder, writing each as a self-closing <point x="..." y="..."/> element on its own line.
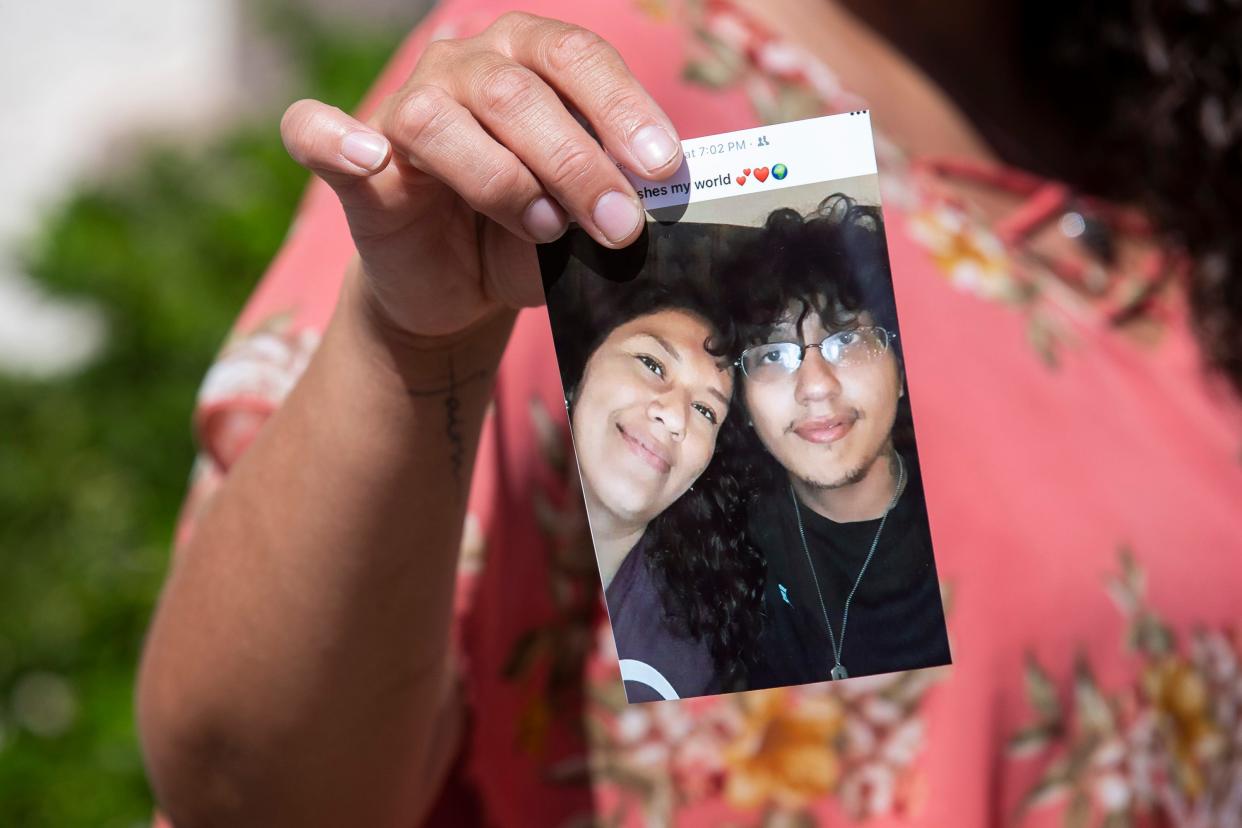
<point x="657" y="660"/>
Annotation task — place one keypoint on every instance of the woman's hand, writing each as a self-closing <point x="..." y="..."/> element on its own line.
<point x="477" y="156"/>
<point x="281" y="684"/>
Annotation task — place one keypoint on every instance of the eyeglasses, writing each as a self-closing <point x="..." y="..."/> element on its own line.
<point x="851" y="348"/>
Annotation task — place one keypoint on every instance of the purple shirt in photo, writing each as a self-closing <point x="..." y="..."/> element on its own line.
<point x="656" y="661"/>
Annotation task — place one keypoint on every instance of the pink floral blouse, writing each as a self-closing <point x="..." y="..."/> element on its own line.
<point x="1083" y="479"/>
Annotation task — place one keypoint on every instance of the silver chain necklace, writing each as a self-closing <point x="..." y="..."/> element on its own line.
<point x="838" y="670"/>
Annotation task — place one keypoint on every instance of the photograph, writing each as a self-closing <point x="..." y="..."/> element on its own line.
<point x="736" y="394"/>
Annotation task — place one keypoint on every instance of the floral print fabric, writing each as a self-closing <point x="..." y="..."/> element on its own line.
<point x="1051" y="436"/>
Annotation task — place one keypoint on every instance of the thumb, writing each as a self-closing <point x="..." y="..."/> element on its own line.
<point x="336" y="147"/>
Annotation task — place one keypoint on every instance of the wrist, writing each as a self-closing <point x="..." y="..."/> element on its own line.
<point x="423" y="363"/>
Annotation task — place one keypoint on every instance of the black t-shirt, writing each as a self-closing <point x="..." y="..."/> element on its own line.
<point x="656" y="661"/>
<point x="896" y="619"/>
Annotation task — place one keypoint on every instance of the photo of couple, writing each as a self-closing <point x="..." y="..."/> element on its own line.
<point x="737" y="399"/>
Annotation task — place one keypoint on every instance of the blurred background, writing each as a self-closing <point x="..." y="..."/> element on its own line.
<point x="146" y="189"/>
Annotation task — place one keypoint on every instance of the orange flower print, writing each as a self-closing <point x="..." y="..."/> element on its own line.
<point x="1167" y="747"/>
<point x="782" y="755"/>
<point x="968" y="253"/>
<point x="1180" y="692"/>
<point x="785" y="752"/>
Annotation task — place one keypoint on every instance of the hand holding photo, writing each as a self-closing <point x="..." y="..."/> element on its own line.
<point x="736" y="392"/>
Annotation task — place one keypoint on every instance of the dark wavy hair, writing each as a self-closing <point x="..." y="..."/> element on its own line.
<point x="1132" y="101"/>
<point x="710" y="575"/>
<point x="832" y="262"/>
<point x="1146" y="96"/>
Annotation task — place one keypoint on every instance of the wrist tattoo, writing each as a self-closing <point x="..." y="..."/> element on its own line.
<point x="452" y="419"/>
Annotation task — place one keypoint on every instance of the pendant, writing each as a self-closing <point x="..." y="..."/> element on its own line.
<point x="839" y="673"/>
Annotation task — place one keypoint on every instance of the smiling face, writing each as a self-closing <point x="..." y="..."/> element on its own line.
<point x="824" y="423"/>
<point x="646" y="414"/>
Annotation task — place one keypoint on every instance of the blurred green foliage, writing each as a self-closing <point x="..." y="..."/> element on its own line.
<point x="93" y="466"/>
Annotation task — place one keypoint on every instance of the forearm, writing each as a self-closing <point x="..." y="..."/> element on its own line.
<point x="297" y="666"/>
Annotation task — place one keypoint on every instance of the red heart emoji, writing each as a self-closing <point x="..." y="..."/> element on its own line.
<point x="741" y="179"/>
<point x="746" y="171"/>
<point x="762" y="173"/>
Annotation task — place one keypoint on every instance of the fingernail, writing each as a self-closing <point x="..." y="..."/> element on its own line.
<point x="543" y="220"/>
<point x="616" y="215"/>
<point x="366" y="149"/>
<point x="653" y="147"/>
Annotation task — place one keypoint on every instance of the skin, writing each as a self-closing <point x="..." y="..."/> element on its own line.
<point x="280" y="682"/>
<point x="645" y="419"/>
<point x="830" y="426"/>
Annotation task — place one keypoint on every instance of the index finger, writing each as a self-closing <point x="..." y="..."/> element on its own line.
<point x="588" y="72"/>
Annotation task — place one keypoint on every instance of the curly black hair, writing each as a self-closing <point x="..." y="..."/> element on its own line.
<point x="710" y="575"/>
<point x="832" y="262"/>
<point x="1136" y="102"/>
<point x="1147" y="96"/>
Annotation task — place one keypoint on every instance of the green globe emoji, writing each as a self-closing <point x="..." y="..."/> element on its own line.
<point x="780" y="171"/>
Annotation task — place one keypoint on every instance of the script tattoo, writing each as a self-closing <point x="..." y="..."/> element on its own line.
<point x="452" y="417"/>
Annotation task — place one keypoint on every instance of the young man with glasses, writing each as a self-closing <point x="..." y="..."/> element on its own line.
<point x="838" y="511"/>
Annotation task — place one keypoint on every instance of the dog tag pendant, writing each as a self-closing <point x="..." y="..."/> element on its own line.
<point x="839" y="673"/>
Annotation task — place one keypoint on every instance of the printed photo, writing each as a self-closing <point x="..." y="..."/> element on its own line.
<point x="737" y="397"/>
